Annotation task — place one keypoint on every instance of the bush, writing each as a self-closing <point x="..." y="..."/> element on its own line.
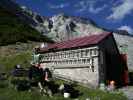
<point x="3" y="84"/>
<point x="21" y="85"/>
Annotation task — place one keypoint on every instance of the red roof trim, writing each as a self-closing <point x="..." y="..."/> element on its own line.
<point x="77" y="42"/>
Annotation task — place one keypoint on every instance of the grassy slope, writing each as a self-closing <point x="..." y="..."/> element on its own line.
<point x="13" y="30"/>
<point x="20" y="53"/>
<point x="8" y="62"/>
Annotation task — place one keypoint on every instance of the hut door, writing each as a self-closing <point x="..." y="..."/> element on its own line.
<point x="108" y="68"/>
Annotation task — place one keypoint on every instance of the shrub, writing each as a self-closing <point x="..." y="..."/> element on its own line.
<point x="3" y="84"/>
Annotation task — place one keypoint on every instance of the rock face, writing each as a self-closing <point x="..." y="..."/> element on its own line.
<point x="39" y="22"/>
<point x="66" y="27"/>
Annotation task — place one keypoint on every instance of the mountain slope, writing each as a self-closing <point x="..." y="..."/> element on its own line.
<point x="13" y="30"/>
<point x="59" y="27"/>
<point x="63" y="27"/>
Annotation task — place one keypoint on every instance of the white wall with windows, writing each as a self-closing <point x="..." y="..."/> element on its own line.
<point x="72" y="63"/>
<point x="78" y="57"/>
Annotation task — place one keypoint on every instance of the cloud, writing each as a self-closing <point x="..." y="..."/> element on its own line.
<point x="89" y="6"/>
<point x="96" y="10"/>
<point x="121" y="10"/>
<point x="116" y="2"/>
<point x="81" y="6"/>
<point x="58" y="6"/>
<point x="127" y="28"/>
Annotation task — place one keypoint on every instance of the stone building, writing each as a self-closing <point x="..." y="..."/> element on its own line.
<point x="90" y="60"/>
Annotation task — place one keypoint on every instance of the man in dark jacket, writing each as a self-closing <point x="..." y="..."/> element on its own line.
<point x="36" y="74"/>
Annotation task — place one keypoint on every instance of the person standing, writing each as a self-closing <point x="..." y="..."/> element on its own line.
<point x="36" y="74"/>
<point x="47" y="76"/>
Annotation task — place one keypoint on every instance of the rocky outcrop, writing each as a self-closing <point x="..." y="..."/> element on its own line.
<point x="66" y="27"/>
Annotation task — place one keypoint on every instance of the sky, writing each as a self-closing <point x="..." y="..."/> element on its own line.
<point x="109" y="14"/>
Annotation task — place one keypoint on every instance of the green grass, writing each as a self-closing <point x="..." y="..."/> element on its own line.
<point x="9" y="93"/>
<point x="8" y="62"/>
<point x="94" y="94"/>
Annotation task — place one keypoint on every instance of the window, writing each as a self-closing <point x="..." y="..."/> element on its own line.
<point x="81" y="52"/>
<point x="61" y="56"/>
<point x="80" y="61"/>
<point x="86" y="52"/>
<point x="72" y="54"/>
<point x="75" y="61"/>
<point x="78" y="54"/>
<point x="58" y="62"/>
<point x="64" y="54"/>
<point x="88" y="61"/>
<point x="48" y="54"/>
<point x="84" y="61"/>
<point x="55" y="62"/>
<point x="92" y="61"/>
<point x="53" y="56"/>
<point x="70" y="61"/>
<point x="92" y="68"/>
<point x="90" y="52"/>
<point x="95" y="52"/>
<point x="65" y="62"/>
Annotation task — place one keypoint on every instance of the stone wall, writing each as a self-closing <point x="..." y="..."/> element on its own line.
<point x="126" y="40"/>
<point x="82" y="73"/>
<point x="79" y="65"/>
